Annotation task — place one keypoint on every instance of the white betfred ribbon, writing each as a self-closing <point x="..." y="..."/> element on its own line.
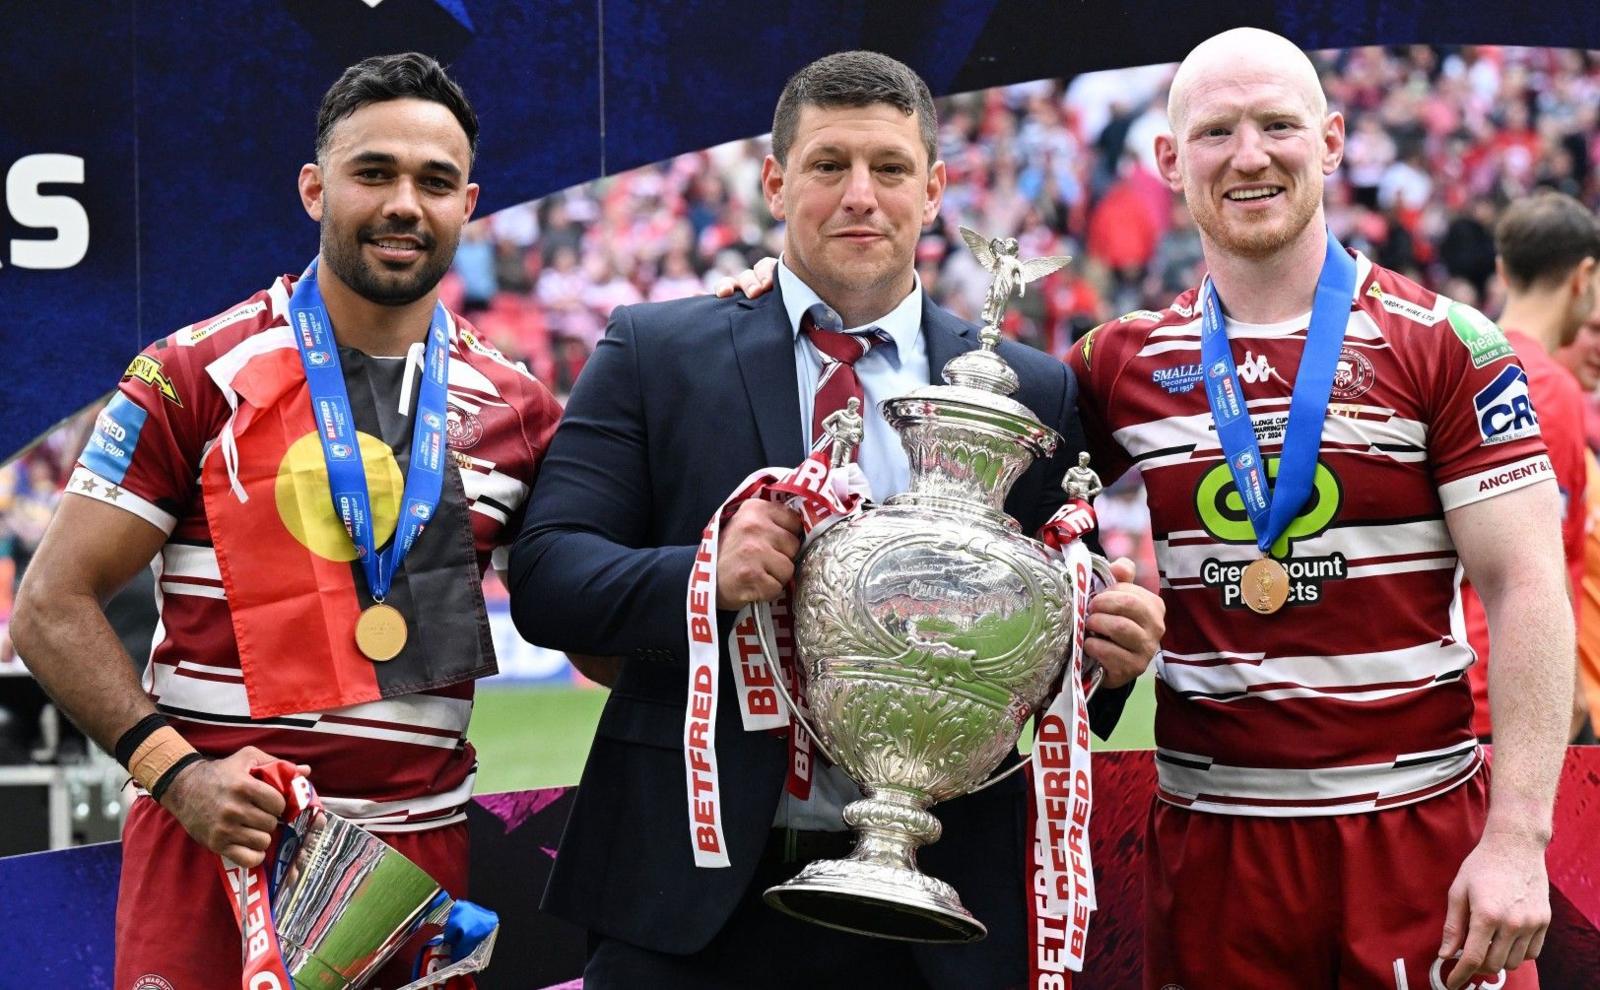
<point x="1063" y="791"/>
<point x="821" y="496"/>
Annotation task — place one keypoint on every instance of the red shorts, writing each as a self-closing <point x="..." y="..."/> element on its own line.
<point x="175" y="927"/>
<point x="1333" y="901"/>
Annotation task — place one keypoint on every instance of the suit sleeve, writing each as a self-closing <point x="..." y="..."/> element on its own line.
<point x="582" y="578"/>
<point x="1105" y="708"/>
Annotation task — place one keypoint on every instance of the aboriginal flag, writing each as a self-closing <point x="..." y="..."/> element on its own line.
<point x="294" y="586"/>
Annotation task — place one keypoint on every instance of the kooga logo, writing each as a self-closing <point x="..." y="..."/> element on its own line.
<point x="63" y="214"/>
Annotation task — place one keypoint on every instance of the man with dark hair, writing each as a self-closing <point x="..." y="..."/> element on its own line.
<point x="681" y="402"/>
<point x="291" y="629"/>
<point x="1549" y="260"/>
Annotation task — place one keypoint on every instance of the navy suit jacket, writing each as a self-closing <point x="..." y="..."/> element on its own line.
<point x="679" y="403"/>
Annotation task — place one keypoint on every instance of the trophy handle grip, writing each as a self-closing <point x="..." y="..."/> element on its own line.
<point x="769" y="649"/>
<point x="1100" y="579"/>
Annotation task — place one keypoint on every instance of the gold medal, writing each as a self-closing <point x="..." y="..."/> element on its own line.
<point x="381" y="632"/>
<point x="1264" y="586"/>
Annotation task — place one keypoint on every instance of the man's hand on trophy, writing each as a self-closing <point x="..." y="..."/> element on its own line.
<point x="752" y="282"/>
<point x="1125" y="626"/>
<point x="224" y="808"/>
<point x="755" y="559"/>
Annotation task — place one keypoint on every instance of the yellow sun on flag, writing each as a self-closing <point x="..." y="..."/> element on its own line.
<point x="305" y="502"/>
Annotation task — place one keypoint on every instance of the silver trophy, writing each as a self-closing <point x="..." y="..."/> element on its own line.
<point x="348" y="902"/>
<point x="927" y="631"/>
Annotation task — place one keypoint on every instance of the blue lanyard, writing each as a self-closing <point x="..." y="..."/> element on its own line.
<point x="1272" y="505"/>
<point x="347" y="476"/>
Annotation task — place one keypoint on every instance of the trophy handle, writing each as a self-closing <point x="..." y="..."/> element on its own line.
<point x="474" y="962"/>
<point x="769" y="649"/>
<point x="1100" y="579"/>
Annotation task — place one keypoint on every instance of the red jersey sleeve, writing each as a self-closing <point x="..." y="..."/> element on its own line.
<point x="1096" y="360"/>
<point x="144" y="453"/>
<point x="1483" y="432"/>
<point x="1559" y="404"/>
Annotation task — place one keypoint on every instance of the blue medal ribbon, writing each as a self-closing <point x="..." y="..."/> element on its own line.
<point x="336" y="428"/>
<point x="1272" y="505"/>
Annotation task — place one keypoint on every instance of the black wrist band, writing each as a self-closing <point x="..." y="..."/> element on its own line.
<point x="133" y="737"/>
<point x="167" y="778"/>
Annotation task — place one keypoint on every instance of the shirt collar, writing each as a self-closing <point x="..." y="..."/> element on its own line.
<point x="902" y="324"/>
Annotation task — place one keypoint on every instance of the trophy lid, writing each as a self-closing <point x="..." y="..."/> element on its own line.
<point x="980" y="379"/>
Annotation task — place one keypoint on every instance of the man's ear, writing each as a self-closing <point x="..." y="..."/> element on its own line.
<point x="1167" y="162"/>
<point x="311" y="190"/>
<point x="772" y="187"/>
<point x="937" y="178"/>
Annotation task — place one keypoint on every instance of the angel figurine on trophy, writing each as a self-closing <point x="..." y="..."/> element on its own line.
<point x="998" y="256"/>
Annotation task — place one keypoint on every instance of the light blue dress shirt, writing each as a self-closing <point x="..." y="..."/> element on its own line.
<point x="888" y="371"/>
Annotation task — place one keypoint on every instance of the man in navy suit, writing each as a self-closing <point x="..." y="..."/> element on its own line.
<point x="680" y="402"/>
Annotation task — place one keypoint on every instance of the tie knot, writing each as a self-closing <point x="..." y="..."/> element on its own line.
<point x="822" y="324"/>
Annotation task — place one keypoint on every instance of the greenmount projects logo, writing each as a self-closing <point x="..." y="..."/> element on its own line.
<point x="1223" y="515"/>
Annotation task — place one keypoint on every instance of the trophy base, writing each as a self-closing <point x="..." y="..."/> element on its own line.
<point x="881" y="901"/>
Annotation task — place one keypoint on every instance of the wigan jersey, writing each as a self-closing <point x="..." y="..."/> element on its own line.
<point x="401" y="760"/>
<point x="1352" y="697"/>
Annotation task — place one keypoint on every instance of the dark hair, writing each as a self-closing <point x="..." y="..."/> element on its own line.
<point x="1543" y="237"/>
<point x="854" y="79"/>
<point x="382" y="78"/>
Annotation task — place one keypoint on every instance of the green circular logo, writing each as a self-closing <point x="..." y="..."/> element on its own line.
<point x="1223" y="515"/>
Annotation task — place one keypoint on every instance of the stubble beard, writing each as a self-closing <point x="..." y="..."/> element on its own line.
<point x="1254" y="240"/>
<point x="342" y="253"/>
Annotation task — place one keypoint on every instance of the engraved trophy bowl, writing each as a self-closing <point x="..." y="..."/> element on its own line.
<point x="927" y="631"/>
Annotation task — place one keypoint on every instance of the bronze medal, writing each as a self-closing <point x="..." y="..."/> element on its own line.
<point x="381" y="632"/>
<point x="1264" y="586"/>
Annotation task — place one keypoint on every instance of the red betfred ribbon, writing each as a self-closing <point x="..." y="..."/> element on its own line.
<point x="263" y="957"/>
<point x="1061" y="893"/>
<point x="821" y="495"/>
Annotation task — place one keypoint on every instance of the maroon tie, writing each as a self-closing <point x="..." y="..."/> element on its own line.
<point x="840" y="351"/>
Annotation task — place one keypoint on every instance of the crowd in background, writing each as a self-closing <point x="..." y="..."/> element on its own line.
<point x="1439" y="140"/>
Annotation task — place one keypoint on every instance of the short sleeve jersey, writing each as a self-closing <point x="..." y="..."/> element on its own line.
<point x="169" y="414"/>
<point x="1352" y="697"/>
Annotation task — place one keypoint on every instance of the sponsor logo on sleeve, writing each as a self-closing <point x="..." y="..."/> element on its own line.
<point x="147" y="369"/>
<point x="1484" y="340"/>
<point x="1517" y="472"/>
<point x="109" y="452"/>
<point x="1504" y="408"/>
<point x="1148" y="315"/>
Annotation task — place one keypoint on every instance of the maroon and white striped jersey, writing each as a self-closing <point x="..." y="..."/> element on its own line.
<point x="1353" y="696"/>
<point x="398" y="763"/>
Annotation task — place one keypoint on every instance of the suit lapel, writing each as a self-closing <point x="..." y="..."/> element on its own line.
<point x="764" y="344"/>
<point x="946" y="337"/>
